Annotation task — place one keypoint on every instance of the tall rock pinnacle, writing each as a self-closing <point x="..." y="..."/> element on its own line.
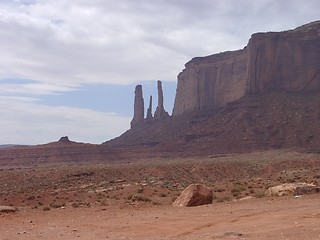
<point x="160" y="112"/>
<point x="138" y="117"/>
<point x="149" y="111"/>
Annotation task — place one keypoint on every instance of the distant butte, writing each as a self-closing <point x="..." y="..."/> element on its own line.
<point x="263" y="96"/>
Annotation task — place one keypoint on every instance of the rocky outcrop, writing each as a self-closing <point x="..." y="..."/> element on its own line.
<point x="138" y="115"/>
<point x="281" y="61"/>
<point x="292" y="189"/>
<point x="7" y="209"/>
<point x="194" y="195"/>
<point x="64" y="140"/>
<point x="160" y="112"/>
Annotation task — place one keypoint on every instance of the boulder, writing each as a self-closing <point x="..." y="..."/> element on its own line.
<point x="7" y="209"/>
<point x="292" y="189"/>
<point x="194" y="195"/>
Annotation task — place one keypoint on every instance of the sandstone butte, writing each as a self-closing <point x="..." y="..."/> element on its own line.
<point x="273" y="61"/>
<point x="260" y="97"/>
<point x="264" y="96"/>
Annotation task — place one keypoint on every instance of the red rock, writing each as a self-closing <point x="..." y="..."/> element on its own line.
<point x="194" y="195"/>
<point x="160" y="113"/>
<point x="280" y="61"/>
<point x="138" y="117"/>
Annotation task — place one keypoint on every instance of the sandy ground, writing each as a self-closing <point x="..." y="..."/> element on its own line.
<point x="265" y="218"/>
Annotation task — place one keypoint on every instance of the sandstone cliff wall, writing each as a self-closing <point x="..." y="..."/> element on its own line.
<point x="285" y="61"/>
<point x="288" y="61"/>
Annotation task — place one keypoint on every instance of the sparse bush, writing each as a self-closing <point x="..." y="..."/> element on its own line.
<point x="140" y="190"/>
<point x="163" y="195"/>
<point x="260" y="194"/>
<point x="30" y="198"/>
<point x="317" y="176"/>
<point x="140" y="198"/>
<point x="224" y="199"/>
<point x="75" y="205"/>
<point x="56" y="205"/>
<point x="46" y="208"/>
<point x="235" y="192"/>
<point x="219" y="190"/>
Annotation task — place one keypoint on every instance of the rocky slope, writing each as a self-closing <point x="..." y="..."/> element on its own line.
<point x="255" y="122"/>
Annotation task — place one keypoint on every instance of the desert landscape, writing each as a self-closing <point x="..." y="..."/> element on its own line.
<point x="236" y="129"/>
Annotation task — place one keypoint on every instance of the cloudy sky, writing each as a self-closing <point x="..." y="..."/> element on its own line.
<point x="70" y="67"/>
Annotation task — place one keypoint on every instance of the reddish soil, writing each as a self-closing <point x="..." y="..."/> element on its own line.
<point x="132" y="199"/>
<point x="268" y="218"/>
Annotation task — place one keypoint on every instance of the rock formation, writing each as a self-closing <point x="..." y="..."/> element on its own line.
<point x="194" y="195"/>
<point x="7" y="209"/>
<point x="64" y="140"/>
<point x="160" y="112"/>
<point x="281" y="61"/>
<point x="149" y="111"/>
<point x="292" y="189"/>
<point x="138" y="117"/>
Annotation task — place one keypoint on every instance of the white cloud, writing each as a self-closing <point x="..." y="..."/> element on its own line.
<point x="61" y="45"/>
<point x="28" y="122"/>
<point x="124" y="41"/>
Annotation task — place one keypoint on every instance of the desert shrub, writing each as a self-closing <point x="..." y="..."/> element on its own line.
<point x="140" y="198"/>
<point x="235" y="192"/>
<point x="46" y="208"/>
<point x="317" y="176"/>
<point x="219" y="190"/>
<point x="75" y="205"/>
<point x="56" y="205"/>
<point x="140" y="190"/>
<point x="224" y="199"/>
<point x="260" y="194"/>
<point x="32" y="197"/>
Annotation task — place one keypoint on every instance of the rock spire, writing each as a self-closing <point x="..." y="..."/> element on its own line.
<point x="149" y="110"/>
<point x="160" y="112"/>
<point x="138" y="115"/>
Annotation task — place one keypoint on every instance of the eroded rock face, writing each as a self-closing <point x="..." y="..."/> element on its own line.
<point x="285" y="61"/>
<point x="211" y="81"/>
<point x="138" y="117"/>
<point x="194" y="195"/>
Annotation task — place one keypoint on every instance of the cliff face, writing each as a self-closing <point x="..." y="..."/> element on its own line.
<point x="288" y="61"/>
<point x="285" y="61"/>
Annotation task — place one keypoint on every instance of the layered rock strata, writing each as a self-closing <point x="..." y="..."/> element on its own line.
<point x="273" y="61"/>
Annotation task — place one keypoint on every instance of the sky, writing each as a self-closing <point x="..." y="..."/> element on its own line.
<point x="69" y="68"/>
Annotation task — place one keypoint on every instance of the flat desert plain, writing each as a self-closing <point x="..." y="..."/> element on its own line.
<point x="133" y="200"/>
